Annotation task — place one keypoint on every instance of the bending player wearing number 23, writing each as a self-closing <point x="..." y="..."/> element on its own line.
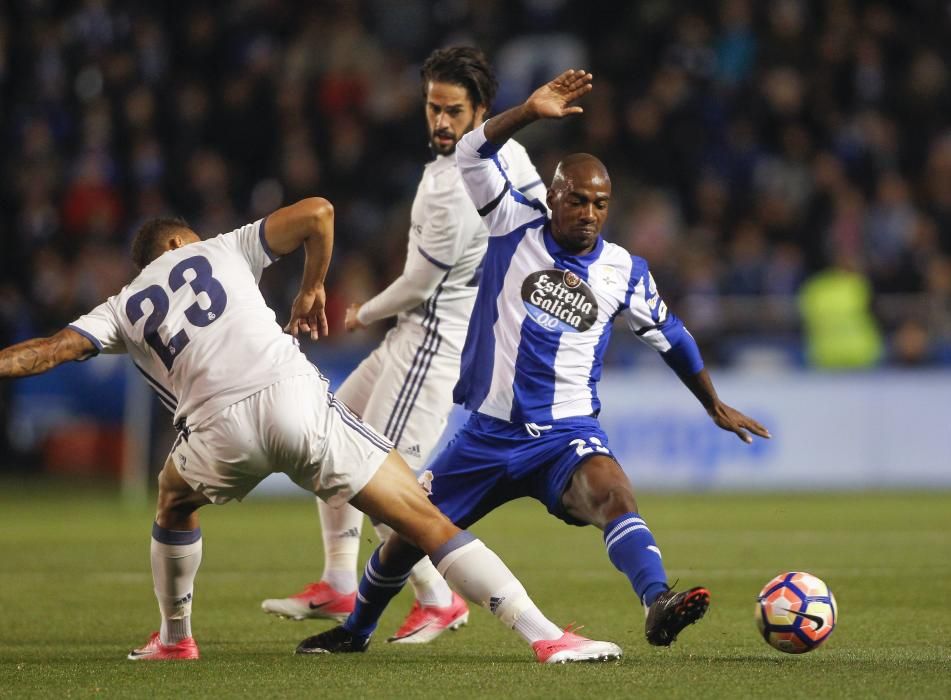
<point x="247" y="403"/>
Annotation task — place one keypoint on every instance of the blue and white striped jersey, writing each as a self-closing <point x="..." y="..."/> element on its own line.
<point x="543" y="316"/>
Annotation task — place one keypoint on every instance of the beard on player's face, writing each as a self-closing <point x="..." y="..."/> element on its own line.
<point x="443" y="140"/>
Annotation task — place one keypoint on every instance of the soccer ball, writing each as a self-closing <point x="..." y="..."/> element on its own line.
<point x="796" y="612"/>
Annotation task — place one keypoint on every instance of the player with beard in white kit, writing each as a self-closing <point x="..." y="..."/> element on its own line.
<point x="404" y="388"/>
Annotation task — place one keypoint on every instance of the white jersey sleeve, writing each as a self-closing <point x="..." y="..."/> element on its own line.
<point x="437" y="242"/>
<point x="419" y="280"/>
<point x="441" y="238"/>
<point x="101" y="327"/>
<point x="249" y="242"/>
<point x="503" y="207"/>
<point x="646" y="311"/>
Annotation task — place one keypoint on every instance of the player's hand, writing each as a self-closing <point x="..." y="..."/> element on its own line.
<point x="732" y="420"/>
<point x="350" y="321"/>
<point x="553" y="99"/>
<point x="307" y="314"/>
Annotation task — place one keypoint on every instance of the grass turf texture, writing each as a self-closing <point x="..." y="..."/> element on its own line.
<point x="76" y="593"/>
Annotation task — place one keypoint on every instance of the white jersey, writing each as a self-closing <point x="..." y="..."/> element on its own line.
<point x="196" y="326"/>
<point x="447" y="230"/>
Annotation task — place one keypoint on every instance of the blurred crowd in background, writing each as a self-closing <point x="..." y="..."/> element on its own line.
<point x="785" y="167"/>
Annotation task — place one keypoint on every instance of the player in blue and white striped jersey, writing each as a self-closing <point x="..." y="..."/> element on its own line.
<point x="550" y="292"/>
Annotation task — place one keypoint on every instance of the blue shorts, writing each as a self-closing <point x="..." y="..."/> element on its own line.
<point x="490" y="462"/>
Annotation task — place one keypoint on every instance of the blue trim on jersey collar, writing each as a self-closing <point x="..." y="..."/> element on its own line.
<point x="556" y="251"/>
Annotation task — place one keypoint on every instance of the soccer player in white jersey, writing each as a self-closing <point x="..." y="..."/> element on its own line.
<point x="404" y="388"/>
<point x="247" y="402"/>
<point x="551" y="288"/>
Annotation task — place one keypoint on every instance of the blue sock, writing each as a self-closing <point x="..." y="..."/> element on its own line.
<point x="380" y="583"/>
<point x="633" y="551"/>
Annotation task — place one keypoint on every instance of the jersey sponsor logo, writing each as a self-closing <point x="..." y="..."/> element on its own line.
<point x="559" y="300"/>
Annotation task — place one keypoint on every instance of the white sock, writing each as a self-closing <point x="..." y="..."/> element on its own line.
<point x="174" y="567"/>
<point x="340" y="528"/>
<point x="533" y="626"/>
<point x="430" y="588"/>
<point x="483" y="578"/>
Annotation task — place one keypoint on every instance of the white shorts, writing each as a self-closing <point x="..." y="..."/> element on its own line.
<point x="404" y="390"/>
<point x="294" y="426"/>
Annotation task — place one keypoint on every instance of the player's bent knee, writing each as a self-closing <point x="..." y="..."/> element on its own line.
<point x="177" y="501"/>
<point x="599" y="492"/>
<point x="612" y="502"/>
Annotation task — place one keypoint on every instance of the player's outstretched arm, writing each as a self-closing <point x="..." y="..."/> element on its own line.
<point x="309" y="222"/>
<point x="723" y="415"/>
<point x="553" y="100"/>
<point x="41" y="354"/>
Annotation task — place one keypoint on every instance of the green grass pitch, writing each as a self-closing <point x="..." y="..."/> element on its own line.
<point x="76" y="596"/>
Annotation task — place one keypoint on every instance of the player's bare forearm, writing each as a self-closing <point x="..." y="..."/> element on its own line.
<point x="553" y="100"/>
<point x="726" y="417"/>
<point x="701" y="386"/>
<point x="307" y="313"/>
<point x="41" y="354"/>
<point x="308" y="222"/>
<point x="318" y="247"/>
<point x="504" y="126"/>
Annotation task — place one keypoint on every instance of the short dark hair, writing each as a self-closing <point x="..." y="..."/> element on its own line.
<point x="466" y="66"/>
<point x="146" y="246"/>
